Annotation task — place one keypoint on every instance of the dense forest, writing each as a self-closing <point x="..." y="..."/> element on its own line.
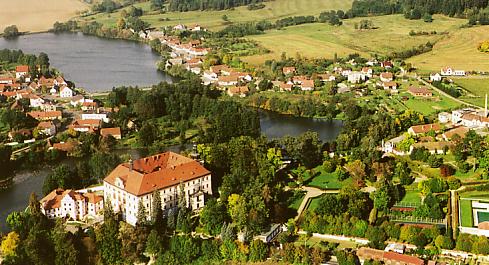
<point x="187" y="5"/>
<point x="386" y="7"/>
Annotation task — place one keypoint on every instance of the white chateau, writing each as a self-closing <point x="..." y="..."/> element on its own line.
<point x="71" y="204"/>
<point x="166" y="173"/>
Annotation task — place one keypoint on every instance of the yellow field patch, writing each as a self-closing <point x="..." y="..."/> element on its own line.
<point x="37" y="15"/>
<point x="459" y="51"/>
<point x="322" y="40"/>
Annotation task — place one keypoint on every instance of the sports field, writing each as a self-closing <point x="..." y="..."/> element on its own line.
<point x="459" y="50"/>
<point x="322" y="40"/>
<point x="213" y="19"/>
<point x="37" y="15"/>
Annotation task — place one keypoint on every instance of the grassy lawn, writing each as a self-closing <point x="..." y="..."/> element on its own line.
<point x="426" y="106"/>
<point x="477" y="87"/>
<point x="316" y="242"/>
<point x="466" y="213"/>
<point x="412" y="196"/>
<point x="327" y="181"/>
<point x="475" y="194"/>
<point x="323" y="40"/>
<point x="297" y="202"/>
<point x="458" y="50"/>
<point x="212" y="20"/>
<point x="314" y="203"/>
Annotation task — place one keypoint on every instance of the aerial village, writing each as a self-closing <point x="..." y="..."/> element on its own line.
<point x="58" y="106"/>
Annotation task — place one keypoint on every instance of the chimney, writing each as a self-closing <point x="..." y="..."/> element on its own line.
<point x="485" y="108"/>
<point x="131" y="164"/>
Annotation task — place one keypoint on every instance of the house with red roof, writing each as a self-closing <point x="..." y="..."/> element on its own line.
<point x="136" y="183"/>
<point x="47" y="128"/>
<point x="45" y="115"/>
<point x="114" y="132"/>
<point x="425" y="128"/>
<point x="21" y="70"/>
<point x="420" y="92"/>
<point x="71" y="204"/>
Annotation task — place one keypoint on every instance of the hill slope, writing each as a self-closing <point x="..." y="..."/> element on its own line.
<point x="37" y="15"/>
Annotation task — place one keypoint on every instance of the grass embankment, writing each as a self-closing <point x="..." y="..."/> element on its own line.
<point x="458" y="50"/>
<point x="35" y="15"/>
<point x="212" y="20"/>
<point x="476" y="88"/>
<point x="322" y="40"/>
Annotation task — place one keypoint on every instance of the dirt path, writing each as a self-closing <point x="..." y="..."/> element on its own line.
<point x="310" y="194"/>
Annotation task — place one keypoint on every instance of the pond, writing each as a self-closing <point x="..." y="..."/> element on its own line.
<point x="93" y="63"/>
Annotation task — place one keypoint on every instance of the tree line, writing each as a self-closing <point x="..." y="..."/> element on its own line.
<point x="188" y="5"/>
<point x="414" y="9"/>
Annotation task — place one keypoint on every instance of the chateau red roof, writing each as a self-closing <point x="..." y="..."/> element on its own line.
<point x="156" y="172"/>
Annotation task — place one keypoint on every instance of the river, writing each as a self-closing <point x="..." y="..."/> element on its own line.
<point x="273" y="126"/>
<point x="92" y="63"/>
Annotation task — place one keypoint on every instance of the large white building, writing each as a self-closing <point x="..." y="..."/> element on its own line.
<point x="167" y="173"/>
<point x="71" y="204"/>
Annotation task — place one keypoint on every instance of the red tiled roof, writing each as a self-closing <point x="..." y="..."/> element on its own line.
<point x="405" y="259"/>
<point x="110" y="131"/>
<point x="44" y="114"/>
<point x="22" y="68"/>
<point x="45" y="124"/>
<point x="420" y="90"/>
<point x="156" y="172"/>
<point x="424" y="128"/>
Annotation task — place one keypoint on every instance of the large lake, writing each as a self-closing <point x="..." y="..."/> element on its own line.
<point x="93" y="63"/>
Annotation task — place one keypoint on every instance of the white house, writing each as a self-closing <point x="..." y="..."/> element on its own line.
<point x="180" y="27"/>
<point x="71" y="204"/>
<point x="133" y="184"/>
<point x="47" y="128"/>
<point x="449" y="71"/>
<point x="444" y="117"/>
<point x="458" y="114"/>
<point x="95" y="116"/>
<point x="35" y="101"/>
<point x="356" y="77"/>
<point x="78" y="100"/>
<point x="436" y="77"/>
<point x="66" y="92"/>
<point x="386" y="77"/>
<point x="21" y="70"/>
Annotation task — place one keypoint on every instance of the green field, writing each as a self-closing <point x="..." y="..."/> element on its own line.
<point x="314" y="203"/>
<point x="323" y="40"/>
<point x="427" y="106"/>
<point x="458" y="50"/>
<point x="466" y="213"/>
<point x="412" y="196"/>
<point x="212" y="20"/>
<point x="327" y="181"/>
<point x="477" y="89"/>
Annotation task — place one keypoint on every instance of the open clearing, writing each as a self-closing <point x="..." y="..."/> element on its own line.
<point x="324" y="40"/>
<point x="459" y="50"/>
<point x="213" y="19"/>
<point x="478" y="87"/>
<point x="37" y="15"/>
